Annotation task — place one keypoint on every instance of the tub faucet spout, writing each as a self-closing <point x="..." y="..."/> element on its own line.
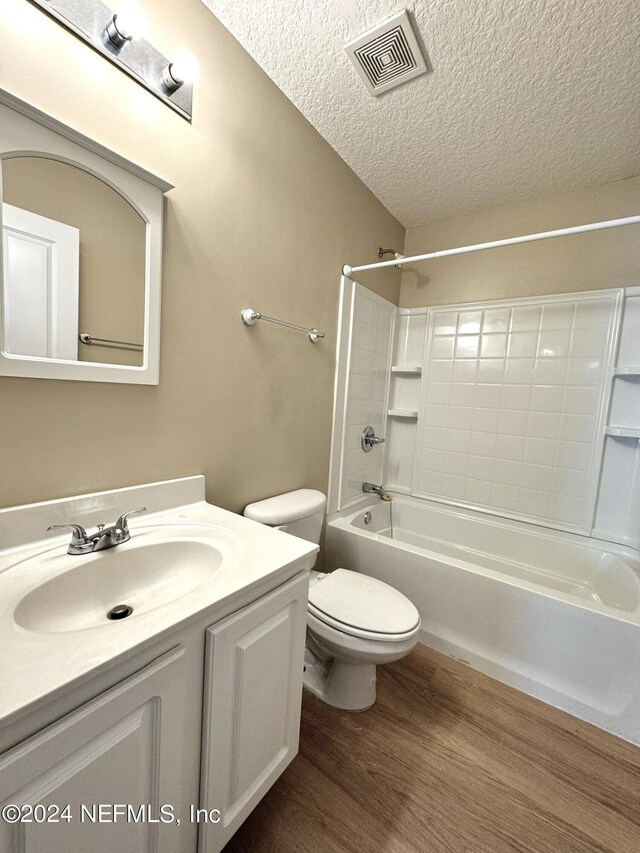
<point x="372" y="489"/>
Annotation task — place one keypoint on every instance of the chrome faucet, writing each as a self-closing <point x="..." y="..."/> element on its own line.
<point x="104" y="537"/>
<point x="372" y="489"/>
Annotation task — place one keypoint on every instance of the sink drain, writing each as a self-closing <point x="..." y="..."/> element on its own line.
<point x="120" y="611"/>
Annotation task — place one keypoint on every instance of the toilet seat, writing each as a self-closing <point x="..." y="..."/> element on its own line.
<point x="362" y="606"/>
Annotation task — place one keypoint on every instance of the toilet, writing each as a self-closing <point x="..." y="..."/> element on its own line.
<point x="354" y="622"/>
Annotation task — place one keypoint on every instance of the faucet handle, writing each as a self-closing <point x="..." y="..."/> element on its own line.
<point x="79" y="533"/>
<point x="121" y="523"/>
<point x="369" y="438"/>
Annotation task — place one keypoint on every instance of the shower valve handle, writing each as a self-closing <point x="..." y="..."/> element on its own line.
<point x="369" y="438"/>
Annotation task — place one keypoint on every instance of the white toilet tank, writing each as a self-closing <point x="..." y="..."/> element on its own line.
<point x="299" y="513"/>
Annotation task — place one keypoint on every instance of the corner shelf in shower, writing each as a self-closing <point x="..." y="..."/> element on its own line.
<point x="623" y="432"/>
<point x="403" y="413"/>
<point x="407" y="369"/>
<point x="626" y="371"/>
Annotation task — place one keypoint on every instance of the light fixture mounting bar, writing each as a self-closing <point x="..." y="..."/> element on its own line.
<point x="89" y="19"/>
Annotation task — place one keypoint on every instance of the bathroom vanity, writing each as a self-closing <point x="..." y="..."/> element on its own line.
<point x="160" y="731"/>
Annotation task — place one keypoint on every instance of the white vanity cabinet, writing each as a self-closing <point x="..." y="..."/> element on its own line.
<point x="153" y="738"/>
<point x="191" y="703"/>
<point x="252" y="698"/>
<point x="120" y="748"/>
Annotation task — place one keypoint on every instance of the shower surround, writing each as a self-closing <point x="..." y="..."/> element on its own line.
<point x="512" y="455"/>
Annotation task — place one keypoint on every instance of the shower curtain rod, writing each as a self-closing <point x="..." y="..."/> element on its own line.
<point x="348" y="271"/>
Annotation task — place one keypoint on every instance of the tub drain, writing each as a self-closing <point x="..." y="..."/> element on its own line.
<point x="120" y="611"/>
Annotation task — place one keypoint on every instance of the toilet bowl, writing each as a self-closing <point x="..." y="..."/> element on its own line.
<point x="354" y="622"/>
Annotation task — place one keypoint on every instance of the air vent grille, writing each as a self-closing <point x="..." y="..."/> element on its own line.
<point x="387" y="55"/>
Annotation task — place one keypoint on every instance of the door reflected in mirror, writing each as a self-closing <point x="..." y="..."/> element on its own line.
<point x="74" y="258"/>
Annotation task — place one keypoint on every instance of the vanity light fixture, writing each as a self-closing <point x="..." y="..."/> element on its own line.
<point x="118" y="34"/>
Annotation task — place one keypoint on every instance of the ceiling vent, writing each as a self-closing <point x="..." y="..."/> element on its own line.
<point x="388" y="55"/>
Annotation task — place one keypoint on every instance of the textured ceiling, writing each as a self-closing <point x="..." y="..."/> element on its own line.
<point x="525" y="97"/>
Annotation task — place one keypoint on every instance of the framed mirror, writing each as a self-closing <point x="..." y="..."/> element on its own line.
<point x="80" y="256"/>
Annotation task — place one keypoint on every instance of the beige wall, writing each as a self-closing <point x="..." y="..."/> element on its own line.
<point x="263" y="214"/>
<point x="582" y="262"/>
<point x="112" y="247"/>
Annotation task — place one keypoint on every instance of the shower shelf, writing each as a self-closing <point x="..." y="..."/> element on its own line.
<point x="626" y="371"/>
<point x="407" y="369"/>
<point x="403" y="413"/>
<point x="623" y="432"/>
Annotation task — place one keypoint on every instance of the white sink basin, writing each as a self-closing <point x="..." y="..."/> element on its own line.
<point x="157" y="566"/>
<point x="185" y="558"/>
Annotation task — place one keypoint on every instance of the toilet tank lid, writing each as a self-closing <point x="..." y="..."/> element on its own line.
<point x="291" y="506"/>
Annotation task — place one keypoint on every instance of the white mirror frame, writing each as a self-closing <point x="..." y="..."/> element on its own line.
<point x="27" y="132"/>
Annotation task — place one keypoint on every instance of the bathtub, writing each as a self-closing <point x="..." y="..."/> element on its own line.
<point x="553" y="614"/>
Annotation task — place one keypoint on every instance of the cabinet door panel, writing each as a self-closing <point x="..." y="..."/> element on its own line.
<point x="121" y="748"/>
<point x="253" y="690"/>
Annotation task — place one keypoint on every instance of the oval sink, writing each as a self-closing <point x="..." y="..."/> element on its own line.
<point x="154" y="568"/>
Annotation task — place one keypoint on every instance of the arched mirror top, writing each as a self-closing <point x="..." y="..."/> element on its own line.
<point x="69" y="162"/>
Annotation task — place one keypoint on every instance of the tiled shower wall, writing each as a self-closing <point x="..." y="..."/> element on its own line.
<point x="526" y="408"/>
<point x="512" y="406"/>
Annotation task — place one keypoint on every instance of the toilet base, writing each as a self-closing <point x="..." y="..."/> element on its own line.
<point x="348" y="686"/>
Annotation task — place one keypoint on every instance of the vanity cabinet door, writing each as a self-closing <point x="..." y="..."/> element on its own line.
<point x="253" y="693"/>
<point x="121" y="748"/>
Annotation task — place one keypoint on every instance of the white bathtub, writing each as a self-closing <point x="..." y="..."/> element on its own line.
<point x="553" y="614"/>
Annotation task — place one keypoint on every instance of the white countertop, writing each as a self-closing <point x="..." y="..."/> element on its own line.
<point x="35" y="667"/>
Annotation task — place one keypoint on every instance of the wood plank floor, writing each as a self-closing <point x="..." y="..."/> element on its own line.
<point x="449" y="760"/>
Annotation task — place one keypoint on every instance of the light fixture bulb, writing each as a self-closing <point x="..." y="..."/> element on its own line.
<point x="132" y="18"/>
<point x="129" y="22"/>
<point x="183" y="69"/>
